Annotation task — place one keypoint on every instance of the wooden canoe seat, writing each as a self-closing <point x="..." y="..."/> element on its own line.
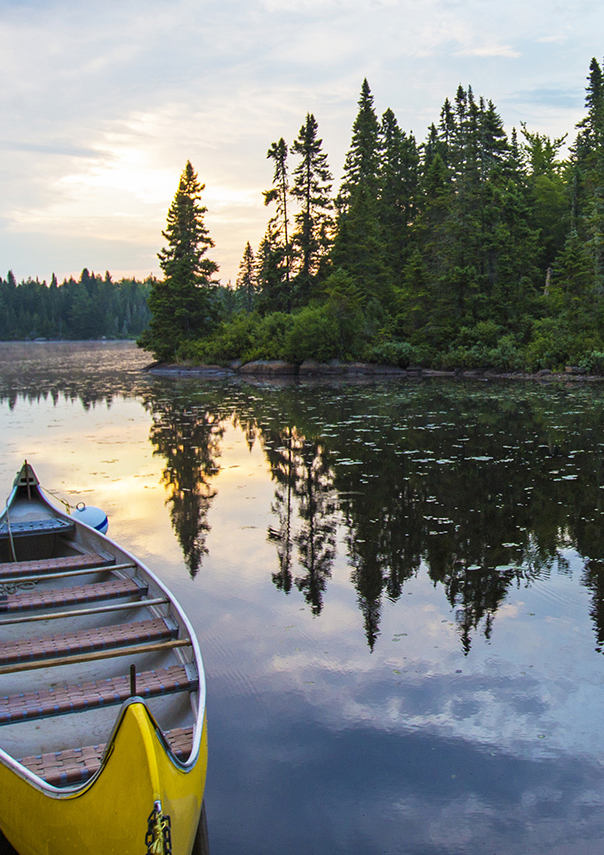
<point x="96" y="693"/>
<point x="48" y="525"/>
<point x="76" y="765"/>
<point x="60" y="597"/>
<point x="87" y="640"/>
<point x="11" y="570"/>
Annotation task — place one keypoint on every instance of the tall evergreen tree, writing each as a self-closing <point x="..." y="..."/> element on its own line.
<point x="398" y="177"/>
<point x="588" y="184"/>
<point x="181" y="304"/>
<point x="361" y="166"/>
<point x="548" y="193"/>
<point x="279" y="193"/>
<point x="274" y="294"/>
<point x="358" y="247"/>
<point x="311" y="188"/>
<point x="246" y="280"/>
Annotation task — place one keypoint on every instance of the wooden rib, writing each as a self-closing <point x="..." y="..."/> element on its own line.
<point x="92" y="657"/>
<point x="114" y="607"/>
<point x="92" y="694"/>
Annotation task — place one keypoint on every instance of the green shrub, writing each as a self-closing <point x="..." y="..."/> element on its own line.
<point x="552" y="346"/>
<point x="504" y="357"/>
<point x="398" y="353"/>
<point x="228" y="342"/>
<point x="313" y="335"/>
<point x="271" y="337"/>
<point x="593" y="363"/>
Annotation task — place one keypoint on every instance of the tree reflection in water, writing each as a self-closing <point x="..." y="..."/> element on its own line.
<point x="486" y="491"/>
<point x="188" y="439"/>
<point x="303" y="474"/>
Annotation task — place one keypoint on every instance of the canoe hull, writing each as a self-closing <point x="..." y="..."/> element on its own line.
<point x="93" y="776"/>
<point x="111" y="814"/>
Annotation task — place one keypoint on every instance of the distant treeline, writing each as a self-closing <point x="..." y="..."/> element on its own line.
<point x="91" y="307"/>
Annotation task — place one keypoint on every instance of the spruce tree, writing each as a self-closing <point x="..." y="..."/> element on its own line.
<point x="548" y="193"/>
<point x="273" y="290"/>
<point x="398" y="176"/>
<point x="246" y="280"/>
<point x="358" y="247"/>
<point x="588" y="185"/>
<point x="312" y="188"/>
<point x="279" y="193"/>
<point x="181" y="304"/>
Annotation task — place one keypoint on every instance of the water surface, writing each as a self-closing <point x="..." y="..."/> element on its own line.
<point x="398" y="590"/>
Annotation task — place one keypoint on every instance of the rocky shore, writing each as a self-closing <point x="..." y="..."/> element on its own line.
<point x="269" y="369"/>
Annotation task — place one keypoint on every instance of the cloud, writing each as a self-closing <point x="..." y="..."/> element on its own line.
<point x="491" y="50"/>
<point x="102" y="104"/>
<point x="63" y="148"/>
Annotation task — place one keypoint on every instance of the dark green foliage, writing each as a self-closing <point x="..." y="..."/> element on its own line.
<point x="314" y="335"/>
<point x="274" y="293"/>
<point x="397" y="201"/>
<point x="469" y="250"/>
<point x="314" y="224"/>
<point x="359" y="244"/>
<point x="246" y="337"/>
<point x="548" y="193"/>
<point x="345" y="306"/>
<point x="398" y="353"/>
<point x="276" y="251"/>
<point x="92" y="307"/>
<point x="183" y="305"/>
<point x="247" y="282"/>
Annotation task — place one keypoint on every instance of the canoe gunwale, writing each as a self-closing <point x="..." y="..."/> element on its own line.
<point x="74" y="790"/>
<point x="140" y="571"/>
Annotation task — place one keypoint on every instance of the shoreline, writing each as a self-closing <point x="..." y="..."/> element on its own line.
<point x="279" y="369"/>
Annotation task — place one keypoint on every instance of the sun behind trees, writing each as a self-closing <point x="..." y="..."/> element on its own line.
<point x="474" y="249"/>
<point x="183" y="304"/>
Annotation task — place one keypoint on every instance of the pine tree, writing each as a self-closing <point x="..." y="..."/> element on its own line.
<point x="273" y="290"/>
<point x="358" y="247"/>
<point x="588" y="163"/>
<point x="398" y="175"/>
<point x="279" y="193"/>
<point x="246" y="280"/>
<point x="182" y="308"/>
<point x="548" y="193"/>
<point x="311" y="187"/>
<point x="362" y="161"/>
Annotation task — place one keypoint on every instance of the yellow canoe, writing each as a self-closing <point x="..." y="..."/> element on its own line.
<point x="103" y="744"/>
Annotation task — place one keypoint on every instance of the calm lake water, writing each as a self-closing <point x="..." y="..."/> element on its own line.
<point x="398" y="588"/>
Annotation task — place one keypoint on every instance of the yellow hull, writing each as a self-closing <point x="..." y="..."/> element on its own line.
<point x="109" y="815"/>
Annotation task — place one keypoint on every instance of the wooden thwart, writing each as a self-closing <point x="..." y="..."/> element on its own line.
<point x="84" y="641"/>
<point x="79" y="594"/>
<point x="95" y="693"/>
<point x="27" y="528"/>
<point x="157" y="647"/>
<point x="16" y="569"/>
<point x="94" y="610"/>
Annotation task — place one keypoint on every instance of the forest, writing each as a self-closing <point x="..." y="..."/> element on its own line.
<point x="474" y="248"/>
<point x="88" y="308"/>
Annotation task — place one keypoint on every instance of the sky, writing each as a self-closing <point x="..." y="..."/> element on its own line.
<point x="103" y="103"/>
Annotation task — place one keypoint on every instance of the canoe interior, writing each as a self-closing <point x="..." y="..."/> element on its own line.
<point x="79" y="615"/>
